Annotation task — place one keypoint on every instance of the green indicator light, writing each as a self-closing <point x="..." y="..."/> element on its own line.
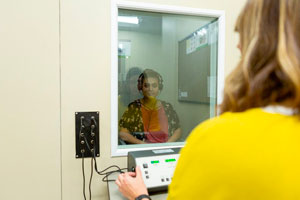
<point x="171" y="160"/>
<point x="154" y="161"/>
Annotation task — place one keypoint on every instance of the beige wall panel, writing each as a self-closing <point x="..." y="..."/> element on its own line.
<point x="232" y="54"/>
<point x="85" y="43"/>
<point x="29" y="105"/>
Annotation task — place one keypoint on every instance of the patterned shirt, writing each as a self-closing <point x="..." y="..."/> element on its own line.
<point x="132" y="118"/>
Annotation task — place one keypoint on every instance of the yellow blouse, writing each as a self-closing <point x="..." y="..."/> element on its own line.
<point x="240" y="156"/>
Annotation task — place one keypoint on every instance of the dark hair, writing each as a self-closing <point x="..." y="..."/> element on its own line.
<point x="134" y="71"/>
<point x="149" y="73"/>
<point x="125" y="93"/>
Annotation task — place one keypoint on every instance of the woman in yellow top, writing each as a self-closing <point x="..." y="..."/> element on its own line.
<point x="252" y="150"/>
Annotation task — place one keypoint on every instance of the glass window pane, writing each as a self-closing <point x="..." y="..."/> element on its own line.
<point x="167" y="76"/>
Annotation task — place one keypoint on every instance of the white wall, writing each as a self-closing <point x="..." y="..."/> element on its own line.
<point x="41" y="89"/>
<point x="145" y="50"/>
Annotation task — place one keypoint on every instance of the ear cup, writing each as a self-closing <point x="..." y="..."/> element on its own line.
<point x="160" y="82"/>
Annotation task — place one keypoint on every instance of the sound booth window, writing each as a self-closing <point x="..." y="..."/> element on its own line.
<point x="167" y="76"/>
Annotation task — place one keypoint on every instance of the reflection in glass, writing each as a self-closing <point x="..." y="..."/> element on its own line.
<point x="128" y="90"/>
<point x="148" y="119"/>
<point x="182" y="51"/>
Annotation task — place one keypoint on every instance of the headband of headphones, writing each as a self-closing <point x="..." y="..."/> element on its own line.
<point x="149" y="73"/>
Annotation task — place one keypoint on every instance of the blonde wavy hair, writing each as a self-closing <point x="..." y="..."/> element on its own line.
<point x="269" y="69"/>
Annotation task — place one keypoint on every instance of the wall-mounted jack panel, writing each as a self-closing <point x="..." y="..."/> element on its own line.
<point x="87" y="134"/>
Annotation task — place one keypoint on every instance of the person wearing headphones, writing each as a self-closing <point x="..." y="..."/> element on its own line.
<point x="252" y="150"/>
<point x="149" y="120"/>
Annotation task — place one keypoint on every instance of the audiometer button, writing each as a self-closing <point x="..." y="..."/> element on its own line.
<point x="145" y="165"/>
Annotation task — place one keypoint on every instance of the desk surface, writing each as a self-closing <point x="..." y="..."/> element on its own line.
<point x="114" y="193"/>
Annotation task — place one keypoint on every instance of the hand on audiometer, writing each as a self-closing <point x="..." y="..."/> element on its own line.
<point x="131" y="184"/>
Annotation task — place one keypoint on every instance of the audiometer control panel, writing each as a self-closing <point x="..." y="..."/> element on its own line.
<point x="157" y="166"/>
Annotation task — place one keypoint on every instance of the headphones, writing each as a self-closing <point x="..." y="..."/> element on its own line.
<point x="147" y="74"/>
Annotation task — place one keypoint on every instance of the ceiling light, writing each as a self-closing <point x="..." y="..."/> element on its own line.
<point x="128" y="19"/>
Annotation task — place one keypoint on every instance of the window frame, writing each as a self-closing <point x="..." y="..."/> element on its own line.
<point x="115" y="5"/>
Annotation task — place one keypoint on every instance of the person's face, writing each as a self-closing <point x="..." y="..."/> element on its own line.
<point x="133" y="85"/>
<point x="150" y="87"/>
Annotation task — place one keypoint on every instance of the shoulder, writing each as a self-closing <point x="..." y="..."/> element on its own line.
<point x="243" y="126"/>
<point x="135" y="104"/>
<point x="166" y="105"/>
<point x="227" y="125"/>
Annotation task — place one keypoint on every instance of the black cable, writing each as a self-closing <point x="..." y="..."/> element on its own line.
<point x="82" y="152"/>
<point x="105" y="178"/>
<point x="83" y="175"/>
<point x="90" y="184"/>
<point x="104" y="172"/>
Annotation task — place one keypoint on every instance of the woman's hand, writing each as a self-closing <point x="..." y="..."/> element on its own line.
<point x="131" y="184"/>
<point x="125" y="135"/>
